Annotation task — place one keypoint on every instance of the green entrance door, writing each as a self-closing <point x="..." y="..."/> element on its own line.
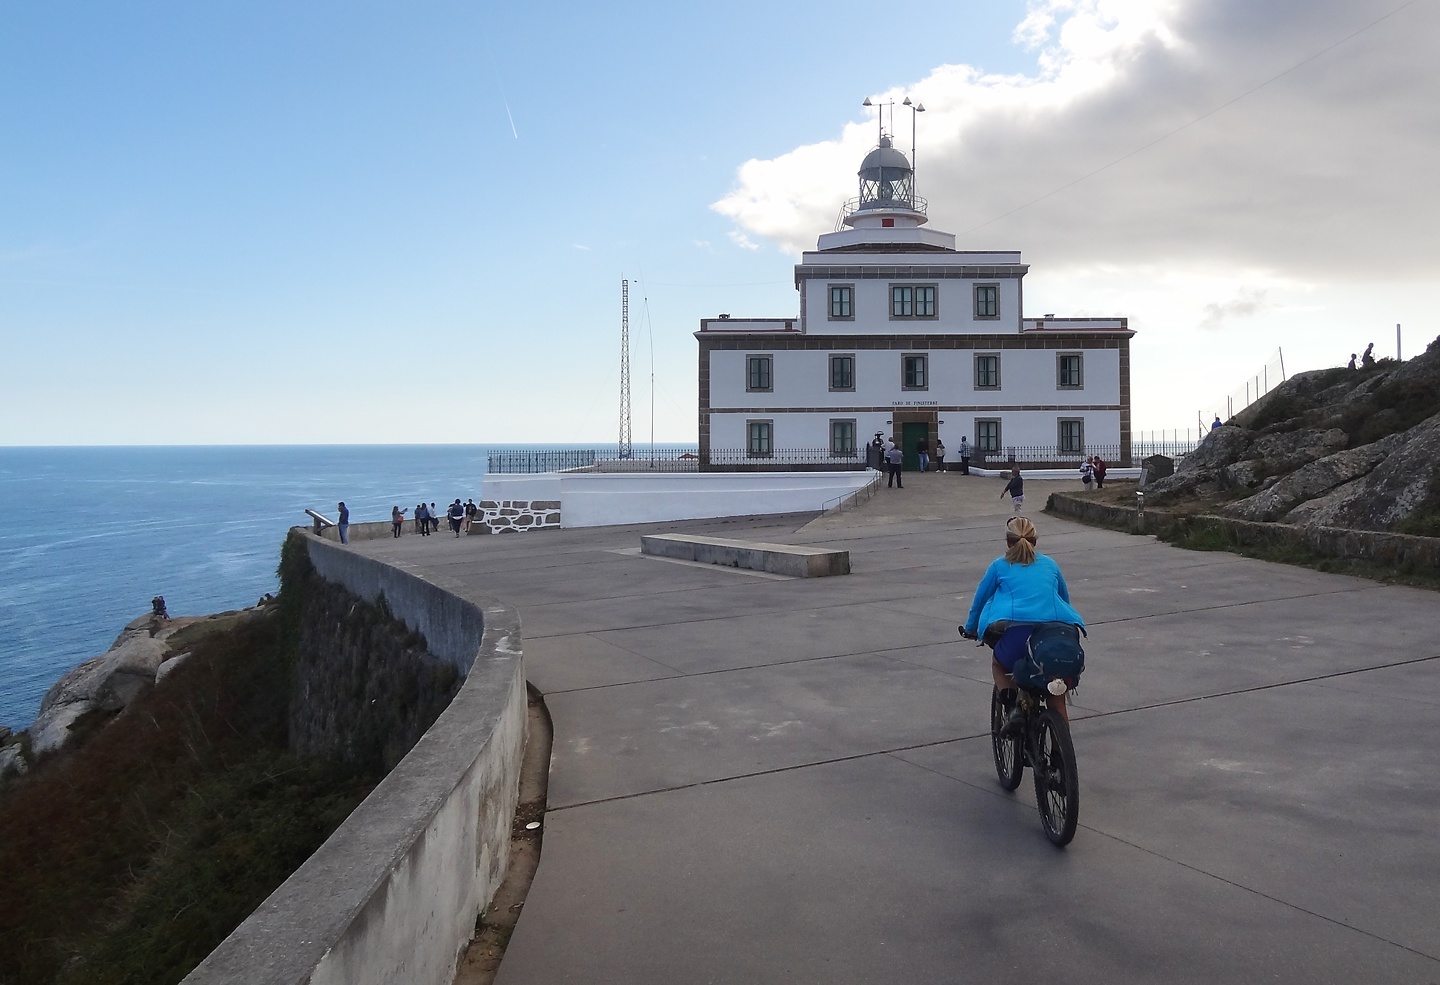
<point x="911" y="433"/>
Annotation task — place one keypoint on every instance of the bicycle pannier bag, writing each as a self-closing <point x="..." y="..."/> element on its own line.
<point x="1054" y="651"/>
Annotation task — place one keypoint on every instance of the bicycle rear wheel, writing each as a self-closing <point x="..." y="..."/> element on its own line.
<point x="1057" y="781"/>
<point x="1009" y="764"/>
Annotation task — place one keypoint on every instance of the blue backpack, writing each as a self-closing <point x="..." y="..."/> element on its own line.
<point x="1054" y="651"/>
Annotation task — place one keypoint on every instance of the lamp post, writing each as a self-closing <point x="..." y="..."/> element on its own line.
<point x="915" y="108"/>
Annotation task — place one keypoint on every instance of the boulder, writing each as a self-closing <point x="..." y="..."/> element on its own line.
<point x="1287" y="452"/>
<point x="165" y="668"/>
<point x="1389" y="492"/>
<point x="1312" y="480"/>
<point x="1221" y="447"/>
<point x="1243" y="475"/>
<point x="11" y="761"/>
<point x="105" y="683"/>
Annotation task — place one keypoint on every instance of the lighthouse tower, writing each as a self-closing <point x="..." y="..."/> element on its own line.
<point x="887" y="214"/>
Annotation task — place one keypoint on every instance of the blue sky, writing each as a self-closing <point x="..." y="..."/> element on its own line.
<point x="363" y="222"/>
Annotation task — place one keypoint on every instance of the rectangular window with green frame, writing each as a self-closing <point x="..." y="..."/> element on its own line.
<point x="757" y="373"/>
<point x="842" y="302"/>
<point x="987" y="371"/>
<point x="912" y="301"/>
<point x="842" y="371"/>
<point x="842" y="438"/>
<point x="914" y="372"/>
<point x="987" y="435"/>
<point x="759" y="439"/>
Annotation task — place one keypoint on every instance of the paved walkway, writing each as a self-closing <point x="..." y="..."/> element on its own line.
<point x="758" y="779"/>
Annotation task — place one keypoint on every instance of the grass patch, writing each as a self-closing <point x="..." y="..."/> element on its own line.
<point x="1204" y="538"/>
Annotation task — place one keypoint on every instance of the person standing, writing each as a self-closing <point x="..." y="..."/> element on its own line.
<point x="1368" y="360"/>
<point x="922" y="449"/>
<point x="422" y="519"/>
<point x="1087" y="472"/>
<point x="1217" y="423"/>
<point x="1015" y="489"/>
<point x="964" y="455"/>
<point x="344" y="522"/>
<point x="397" y="520"/>
<point x="434" y="516"/>
<point x="939" y="455"/>
<point x="457" y="516"/>
<point x="470" y="511"/>
<point x="1352" y="361"/>
<point x="1100" y="468"/>
<point x="893" y="459"/>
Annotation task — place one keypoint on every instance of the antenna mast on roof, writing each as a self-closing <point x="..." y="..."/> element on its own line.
<point x="626" y="449"/>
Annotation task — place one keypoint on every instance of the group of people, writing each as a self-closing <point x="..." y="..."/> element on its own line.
<point x="890" y="457"/>
<point x="1092" y="470"/>
<point x="1366" y="360"/>
<point x="427" y="518"/>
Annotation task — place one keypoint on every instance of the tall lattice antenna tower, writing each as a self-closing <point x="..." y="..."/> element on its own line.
<point x="626" y="450"/>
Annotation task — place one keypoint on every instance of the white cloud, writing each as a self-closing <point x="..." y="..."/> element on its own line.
<point x="742" y="241"/>
<point x="1247" y="302"/>
<point x="1106" y="154"/>
<point x="1199" y="166"/>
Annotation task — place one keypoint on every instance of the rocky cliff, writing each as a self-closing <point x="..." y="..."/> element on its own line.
<point x="1336" y="447"/>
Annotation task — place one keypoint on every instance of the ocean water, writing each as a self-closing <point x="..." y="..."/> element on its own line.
<point x="92" y="534"/>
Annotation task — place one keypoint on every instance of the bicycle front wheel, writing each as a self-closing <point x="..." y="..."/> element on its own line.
<point x="1009" y="765"/>
<point x="1057" y="781"/>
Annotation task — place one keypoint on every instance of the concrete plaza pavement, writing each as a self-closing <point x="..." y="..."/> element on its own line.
<point x="764" y="779"/>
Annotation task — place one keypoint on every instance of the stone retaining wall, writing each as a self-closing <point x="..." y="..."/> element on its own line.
<point x="1396" y="550"/>
<point x="515" y="515"/>
<point x="394" y="894"/>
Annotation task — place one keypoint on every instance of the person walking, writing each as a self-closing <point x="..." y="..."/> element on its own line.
<point x="457" y="515"/>
<point x="964" y="455"/>
<point x="1368" y="360"/>
<point x="894" y="457"/>
<point x="922" y="449"/>
<point x="397" y="520"/>
<point x="344" y="522"/>
<point x="939" y="455"/>
<point x="1015" y="489"/>
<point x="470" y="510"/>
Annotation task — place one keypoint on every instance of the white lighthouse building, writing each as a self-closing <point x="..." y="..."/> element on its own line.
<point x="902" y="334"/>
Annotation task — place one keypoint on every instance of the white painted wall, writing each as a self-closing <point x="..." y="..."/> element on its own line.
<point x="802" y="379"/>
<point x="594" y="499"/>
<point x="954" y="306"/>
<point x="812" y="430"/>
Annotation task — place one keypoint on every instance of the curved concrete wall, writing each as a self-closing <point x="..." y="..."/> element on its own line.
<point x="393" y="895"/>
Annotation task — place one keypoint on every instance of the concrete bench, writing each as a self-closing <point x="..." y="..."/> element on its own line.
<point x="779" y="559"/>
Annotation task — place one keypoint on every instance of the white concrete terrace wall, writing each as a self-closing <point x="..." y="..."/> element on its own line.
<point x="393" y="894"/>
<point x="594" y="499"/>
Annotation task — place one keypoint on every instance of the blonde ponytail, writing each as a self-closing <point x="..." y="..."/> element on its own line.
<point x="1020" y="540"/>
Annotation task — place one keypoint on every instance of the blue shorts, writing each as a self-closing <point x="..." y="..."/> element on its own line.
<point x="1012" y="645"/>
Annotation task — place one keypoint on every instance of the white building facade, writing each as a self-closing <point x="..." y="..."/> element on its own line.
<point x="900" y="333"/>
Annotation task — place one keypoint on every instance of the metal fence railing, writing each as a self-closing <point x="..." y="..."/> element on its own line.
<point x="678" y="459"/>
<point x="689" y="458"/>
<point x="522" y="461"/>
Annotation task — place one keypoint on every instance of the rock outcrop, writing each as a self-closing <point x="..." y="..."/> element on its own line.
<point x="1338" y="447"/>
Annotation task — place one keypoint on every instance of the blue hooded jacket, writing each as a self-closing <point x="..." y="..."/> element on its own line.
<point x="1032" y="592"/>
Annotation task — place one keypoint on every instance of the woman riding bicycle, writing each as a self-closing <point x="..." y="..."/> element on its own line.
<point x="1020" y="589"/>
